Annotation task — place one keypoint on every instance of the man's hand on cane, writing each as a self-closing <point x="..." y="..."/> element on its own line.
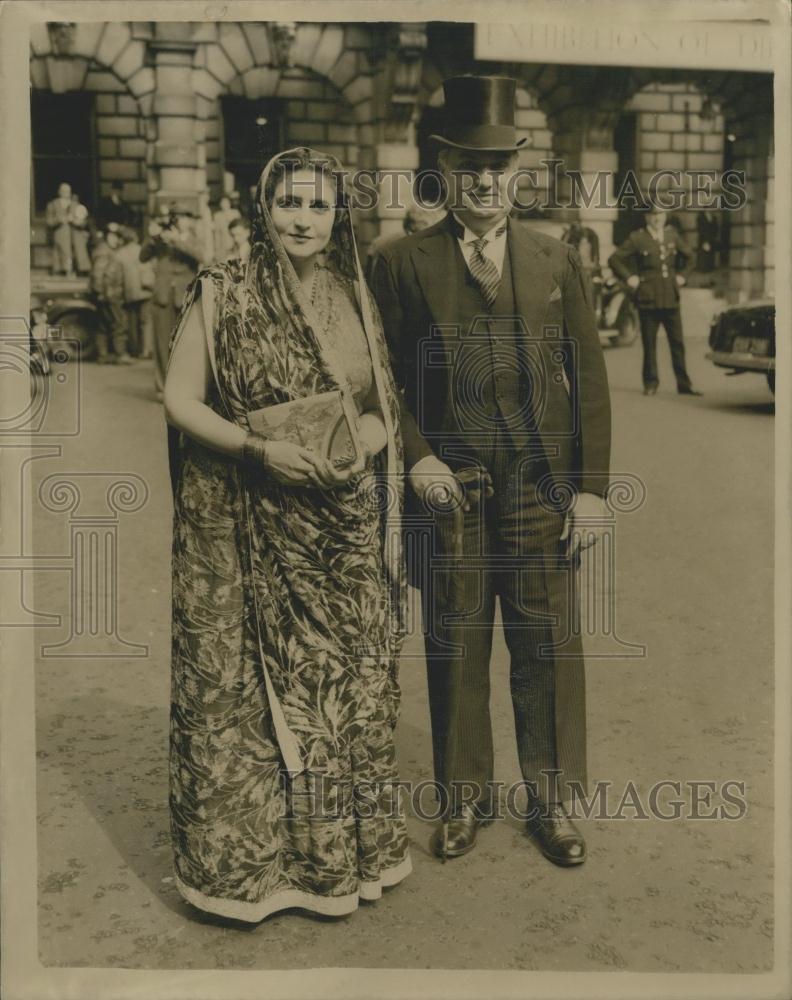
<point x="432" y="480"/>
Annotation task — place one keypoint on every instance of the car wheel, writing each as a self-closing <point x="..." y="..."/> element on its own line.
<point x="771" y="381"/>
<point x="79" y="327"/>
<point x="627" y="327"/>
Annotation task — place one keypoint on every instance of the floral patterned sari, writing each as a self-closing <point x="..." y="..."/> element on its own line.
<point x="287" y="616"/>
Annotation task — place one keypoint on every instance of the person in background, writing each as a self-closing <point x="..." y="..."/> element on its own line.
<point x="58" y="218"/>
<point x="417" y="217"/>
<point x="107" y="285"/>
<point x="39" y="335"/>
<point x="177" y="254"/>
<point x="708" y="249"/>
<point x="80" y="232"/>
<point x="221" y="221"/>
<point x="655" y="262"/>
<point x="239" y="231"/>
<point x="113" y="208"/>
<point x="585" y="240"/>
<point x="138" y="285"/>
<point x="674" y="218"/>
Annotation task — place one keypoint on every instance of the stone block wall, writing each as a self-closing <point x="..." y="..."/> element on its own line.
<point x="326" y="92"/>
<point x="120" y="140"/>
<point x="118" y="126"/>
<point x="531" y="123"/>
<point x="346" y="89"/>
<point x="672" y="135"/>
<point x="109" y="61"/>
<point x="313" y="115"/>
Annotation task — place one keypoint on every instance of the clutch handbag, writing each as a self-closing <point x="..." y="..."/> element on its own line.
<point x="326" y="423"/>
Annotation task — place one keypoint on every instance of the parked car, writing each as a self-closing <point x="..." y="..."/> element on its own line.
<point x="742" y="338"/>
<point x="70" y="314"/>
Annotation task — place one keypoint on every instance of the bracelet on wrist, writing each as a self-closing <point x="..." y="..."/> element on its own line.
<point x="254" y="451"/>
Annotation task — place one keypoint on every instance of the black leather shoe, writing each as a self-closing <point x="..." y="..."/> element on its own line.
<point x="557" y="836"/>
<point x="688" y="390"/>
<point x="458" y="836"/>
<point x="650" y="390"/>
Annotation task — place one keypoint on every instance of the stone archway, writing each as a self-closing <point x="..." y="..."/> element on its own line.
<point x="325" y="86"/>
<point x="108" y="60"/>
<point x="746" y="102"/>
<point x="583" y="109"/>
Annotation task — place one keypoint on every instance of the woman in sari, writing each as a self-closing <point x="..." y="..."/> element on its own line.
<point x="287" y="574"/>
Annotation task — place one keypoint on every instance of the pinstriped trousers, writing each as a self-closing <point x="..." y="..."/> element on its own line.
<point x="512" y="552"/>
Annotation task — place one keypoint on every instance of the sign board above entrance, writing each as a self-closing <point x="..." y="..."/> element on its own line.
<point x="735" y="45"/>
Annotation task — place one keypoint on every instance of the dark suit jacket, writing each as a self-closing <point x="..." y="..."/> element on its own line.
<point x="641" y="254"/>
<point x="414" y="283"/>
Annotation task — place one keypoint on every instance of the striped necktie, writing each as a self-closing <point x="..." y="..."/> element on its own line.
<point x="483" y="270"/>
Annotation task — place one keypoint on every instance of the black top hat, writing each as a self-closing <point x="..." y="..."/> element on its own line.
<point x="479" y="113"/>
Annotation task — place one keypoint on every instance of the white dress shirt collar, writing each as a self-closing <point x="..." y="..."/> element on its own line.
<point x="494" y="248"/>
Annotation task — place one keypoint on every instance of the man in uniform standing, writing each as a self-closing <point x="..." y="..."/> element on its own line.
<point x="655" y="261"/>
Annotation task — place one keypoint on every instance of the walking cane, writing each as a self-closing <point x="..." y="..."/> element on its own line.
<point x="447" y="590"/>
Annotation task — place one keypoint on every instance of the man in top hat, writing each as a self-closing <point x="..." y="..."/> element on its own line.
<point x="496" y="348"/>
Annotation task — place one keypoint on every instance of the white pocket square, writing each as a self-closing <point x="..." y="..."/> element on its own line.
<point x="555" y="294"/>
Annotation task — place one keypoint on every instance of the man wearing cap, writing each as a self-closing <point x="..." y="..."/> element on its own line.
<point x="655" y="261"/>
<point x="496" y="348"/>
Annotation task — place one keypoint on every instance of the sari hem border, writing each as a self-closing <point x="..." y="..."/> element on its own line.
<point x="331" y="906"/>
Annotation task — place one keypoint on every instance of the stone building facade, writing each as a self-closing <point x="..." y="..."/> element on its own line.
<point x="165" y="96"/>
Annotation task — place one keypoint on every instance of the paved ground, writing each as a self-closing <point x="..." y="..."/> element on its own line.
<point x="694" y="586"/>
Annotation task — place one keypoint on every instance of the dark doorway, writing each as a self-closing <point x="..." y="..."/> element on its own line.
<point x="62" y="133"/>
<point x="625" y="142"/>
<point x="253" y="132"/>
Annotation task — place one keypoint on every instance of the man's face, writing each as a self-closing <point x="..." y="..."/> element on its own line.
<point x="656" y="218"/>
<point x="64" y="191"/>
<point x="113" y="239"/>
<point x="479" y="181"/>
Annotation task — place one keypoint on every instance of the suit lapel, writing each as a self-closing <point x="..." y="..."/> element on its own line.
<point x="434" y="259"/>
<point x="532" y="276"/>
<point x="435" y="262"/>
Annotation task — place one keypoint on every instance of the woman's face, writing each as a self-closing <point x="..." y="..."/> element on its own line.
<point x="303" y="212"/>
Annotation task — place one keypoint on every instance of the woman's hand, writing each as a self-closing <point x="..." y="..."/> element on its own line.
<point x="330" y="477"/>
<point x="287" y="463"/>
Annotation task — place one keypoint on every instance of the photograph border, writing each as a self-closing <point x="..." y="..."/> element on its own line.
<point x="22" y="974"/>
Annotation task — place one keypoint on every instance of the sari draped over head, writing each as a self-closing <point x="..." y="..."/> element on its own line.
<point x="288" y="607"/>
